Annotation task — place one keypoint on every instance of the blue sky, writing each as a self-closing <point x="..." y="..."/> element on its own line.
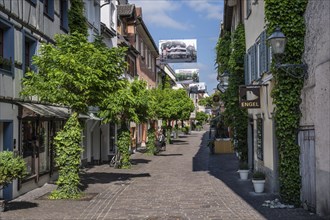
<point x="187" y="19"/>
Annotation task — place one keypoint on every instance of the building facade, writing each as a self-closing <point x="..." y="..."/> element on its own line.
<point x="313" y="136"/>
<point x="28" y="128"/>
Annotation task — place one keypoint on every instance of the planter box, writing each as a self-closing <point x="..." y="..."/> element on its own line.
<point x="223" y="146"/>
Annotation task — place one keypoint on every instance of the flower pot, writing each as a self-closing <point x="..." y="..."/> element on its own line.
<point x="243" y="174"/>
<point x="258" y="185"/>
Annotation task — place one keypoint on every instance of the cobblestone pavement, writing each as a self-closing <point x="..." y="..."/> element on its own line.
<point x="183" y="182"/>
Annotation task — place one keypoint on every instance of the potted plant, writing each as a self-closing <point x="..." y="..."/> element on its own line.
<point x="11" y="167"/>
<point x="243" y="170"/>
<point x="258" y="180"/>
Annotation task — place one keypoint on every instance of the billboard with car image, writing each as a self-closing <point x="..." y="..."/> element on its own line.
<point x="178" y="51"/>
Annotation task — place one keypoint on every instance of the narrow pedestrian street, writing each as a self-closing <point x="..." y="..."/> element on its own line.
<point x="183" y="182"/>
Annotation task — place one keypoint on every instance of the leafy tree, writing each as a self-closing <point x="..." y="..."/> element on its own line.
<point x="129" y="103"/>
<point x="77" y="74"/>
<point x="77" y="20"/>
<point x="201" y="117"/>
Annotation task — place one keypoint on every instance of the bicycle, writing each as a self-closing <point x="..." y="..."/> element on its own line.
<point x="116" y="160"/>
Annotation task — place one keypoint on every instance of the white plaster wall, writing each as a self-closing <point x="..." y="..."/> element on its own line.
<point x="255" y="23"/>
<point x="316" y="95"/>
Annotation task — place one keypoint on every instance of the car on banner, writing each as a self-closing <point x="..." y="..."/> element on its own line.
<point x="178" y="51"/>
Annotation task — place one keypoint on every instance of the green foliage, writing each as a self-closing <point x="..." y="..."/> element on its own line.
<point x="172" y="104"/>
<point x="235" y="117"/>
<point x="289" y="16"/>
<point x="243" y="165"/>
<point x="129" y="103"/>
<point x="77" y="19"/>
<point x="201" y="117"/>
<point x="166" y="82"/>
<point x="124" y="141"/>
<point x="151" y="147"/>
<point x="258" y="175"/>
<point x="68" y="151"/>
<point x="223" y="51"/>
<point x="11" y="167"/>
<point x="75" y="73"/>
<point x="207" y="101"/>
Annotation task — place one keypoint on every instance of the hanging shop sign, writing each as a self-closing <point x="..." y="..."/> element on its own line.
<point x="249" y="96"/>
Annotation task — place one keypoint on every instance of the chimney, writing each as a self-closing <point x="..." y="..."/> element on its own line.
<point x="138" y="11"/>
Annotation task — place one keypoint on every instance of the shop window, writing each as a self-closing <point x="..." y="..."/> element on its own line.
<point x="260" y="146"/>
<point x="29" y="134"/>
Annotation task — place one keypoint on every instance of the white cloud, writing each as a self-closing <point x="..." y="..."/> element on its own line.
<point x="158" y="13"/>
<point x="205" y="7"/>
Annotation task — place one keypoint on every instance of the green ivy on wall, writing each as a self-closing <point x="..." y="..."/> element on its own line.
<point x="68" y="150"/>
<point x="230" y="57"/>
<point x="289" y="16"/>
<point x="77" y="19"/>
<point x="123" y="147"/>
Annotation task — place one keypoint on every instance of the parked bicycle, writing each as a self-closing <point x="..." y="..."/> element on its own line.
<point x="116" y="160"/>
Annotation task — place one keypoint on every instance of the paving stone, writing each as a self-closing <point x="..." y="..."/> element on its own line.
<point x="184" y="182"/>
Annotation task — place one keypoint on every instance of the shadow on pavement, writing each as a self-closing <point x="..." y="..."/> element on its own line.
<point x="137" y="161"/>
<point x="104" y="178"/>
<point x="168" y="155"/>
<point x="17" y="205"/>
<point x="224" y="167"/>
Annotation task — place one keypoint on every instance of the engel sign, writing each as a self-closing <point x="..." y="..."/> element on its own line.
<point x="249" y="96"/>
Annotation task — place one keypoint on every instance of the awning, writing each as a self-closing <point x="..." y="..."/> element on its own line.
<point x="47" y="111"/>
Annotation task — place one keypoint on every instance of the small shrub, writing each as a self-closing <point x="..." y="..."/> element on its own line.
<point x="243" y="166"/>
<point x="258" y="175"/>
<point x="11" y="167"/>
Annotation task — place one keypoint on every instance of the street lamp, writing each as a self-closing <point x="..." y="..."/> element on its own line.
<point x="278" y="42"/>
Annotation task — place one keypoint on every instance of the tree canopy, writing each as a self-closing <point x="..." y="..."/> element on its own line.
<point x="129" y="103"/>
<point x="172" y="104"/>
<point x="75" y="72"/>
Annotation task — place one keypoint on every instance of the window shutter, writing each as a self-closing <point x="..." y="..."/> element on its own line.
<point x="246" y="69"/>
<point x="263" y="52"/>
<point x="253" y="63"/>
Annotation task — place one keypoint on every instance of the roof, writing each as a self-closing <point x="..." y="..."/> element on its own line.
<point x="125" y="10"/>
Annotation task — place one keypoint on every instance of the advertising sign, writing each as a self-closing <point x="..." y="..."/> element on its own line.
<point x="178" y="51"/>
<point x="197" y="87"/>
<point x="249" y="96"/>
<point x="187" y="76"/>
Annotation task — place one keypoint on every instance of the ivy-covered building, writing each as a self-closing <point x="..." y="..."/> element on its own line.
<point x="288" y="138"/>
<point x="26" y="126"/>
